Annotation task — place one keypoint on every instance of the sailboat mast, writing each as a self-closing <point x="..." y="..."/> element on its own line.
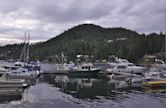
<point x="62" y="57"/>
<point x="165" y="38"/>
<point x="27" y="56"/>
<point x="165" y="47"/>
<point x="23" y="51"/>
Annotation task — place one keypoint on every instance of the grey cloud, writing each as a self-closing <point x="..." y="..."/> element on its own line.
<point x="76" y="11"/>
<point x="7" y="6"/>
<point x="140" y="15"/>
<point x="34" y="34"/>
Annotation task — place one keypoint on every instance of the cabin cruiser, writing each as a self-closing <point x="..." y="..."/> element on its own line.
<point x="159" y="64"/>
<point x="120" y="62"/>
<point x="130" y="68"/>
<point x="87" y="67"/>
<point x="155" y="73"/>
<point x="84" y="68"/>
<point x="155" y="78"/>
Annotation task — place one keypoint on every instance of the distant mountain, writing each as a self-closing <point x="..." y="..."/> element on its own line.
<point x="90" y="39"/>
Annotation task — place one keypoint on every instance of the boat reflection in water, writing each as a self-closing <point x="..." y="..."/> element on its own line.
<point x="64" y="91"/>
<point x="89" y="87"/>
<point x="12" y="90"/>
<point x="7" y="95"/>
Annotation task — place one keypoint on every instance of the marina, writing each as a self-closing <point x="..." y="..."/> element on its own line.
<point x="100" y="91"/>
<point x="82" y="54"/>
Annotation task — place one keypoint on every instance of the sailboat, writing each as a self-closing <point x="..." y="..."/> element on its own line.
<point x="23" y="69"/>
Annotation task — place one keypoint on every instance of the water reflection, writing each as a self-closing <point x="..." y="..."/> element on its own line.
<point x="12" y="94"/>
<point x="62" y="91"/>
<point x="91" y="87"/>
<point x="7" y="95"/>
<point x="84" y="92"/>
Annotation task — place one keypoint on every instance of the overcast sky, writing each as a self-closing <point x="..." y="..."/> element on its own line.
<point x="44" y="19"/>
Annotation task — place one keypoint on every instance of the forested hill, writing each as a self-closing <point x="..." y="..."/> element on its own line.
<point x="89" y="39"/>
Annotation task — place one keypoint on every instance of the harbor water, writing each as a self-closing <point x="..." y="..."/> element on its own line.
<point x="62" y="91"/>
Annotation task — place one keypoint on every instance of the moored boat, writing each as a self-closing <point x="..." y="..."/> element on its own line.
<point x="155" y="78"/>
<point x="123" y="69"/>
<point x="155" y="83"/>
<point x="84" y="69"/>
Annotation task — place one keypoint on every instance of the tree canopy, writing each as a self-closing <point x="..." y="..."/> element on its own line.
<point x="93" y="40"/>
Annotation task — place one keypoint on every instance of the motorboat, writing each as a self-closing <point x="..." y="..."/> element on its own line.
<point x="155" y="82"/>
<point x="159" y="64"/>
<point x="86" y="69"/>
<point x="155" y="73"/>
<point x="130" y="68"/>
<point x="120" y="61"/>
<point x="155" y="78"/>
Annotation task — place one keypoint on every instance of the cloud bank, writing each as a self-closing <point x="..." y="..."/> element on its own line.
<point x="46" y="19"/>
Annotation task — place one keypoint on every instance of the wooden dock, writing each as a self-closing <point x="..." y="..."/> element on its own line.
<point x="8" y="92"/>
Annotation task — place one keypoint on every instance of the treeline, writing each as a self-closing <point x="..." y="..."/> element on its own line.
<point x="93" y="40"/>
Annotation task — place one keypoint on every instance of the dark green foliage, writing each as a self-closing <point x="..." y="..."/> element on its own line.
<point x="89" y="39"/>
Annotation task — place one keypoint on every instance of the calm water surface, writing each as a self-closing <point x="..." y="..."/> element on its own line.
<point x="61" y="91"/>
